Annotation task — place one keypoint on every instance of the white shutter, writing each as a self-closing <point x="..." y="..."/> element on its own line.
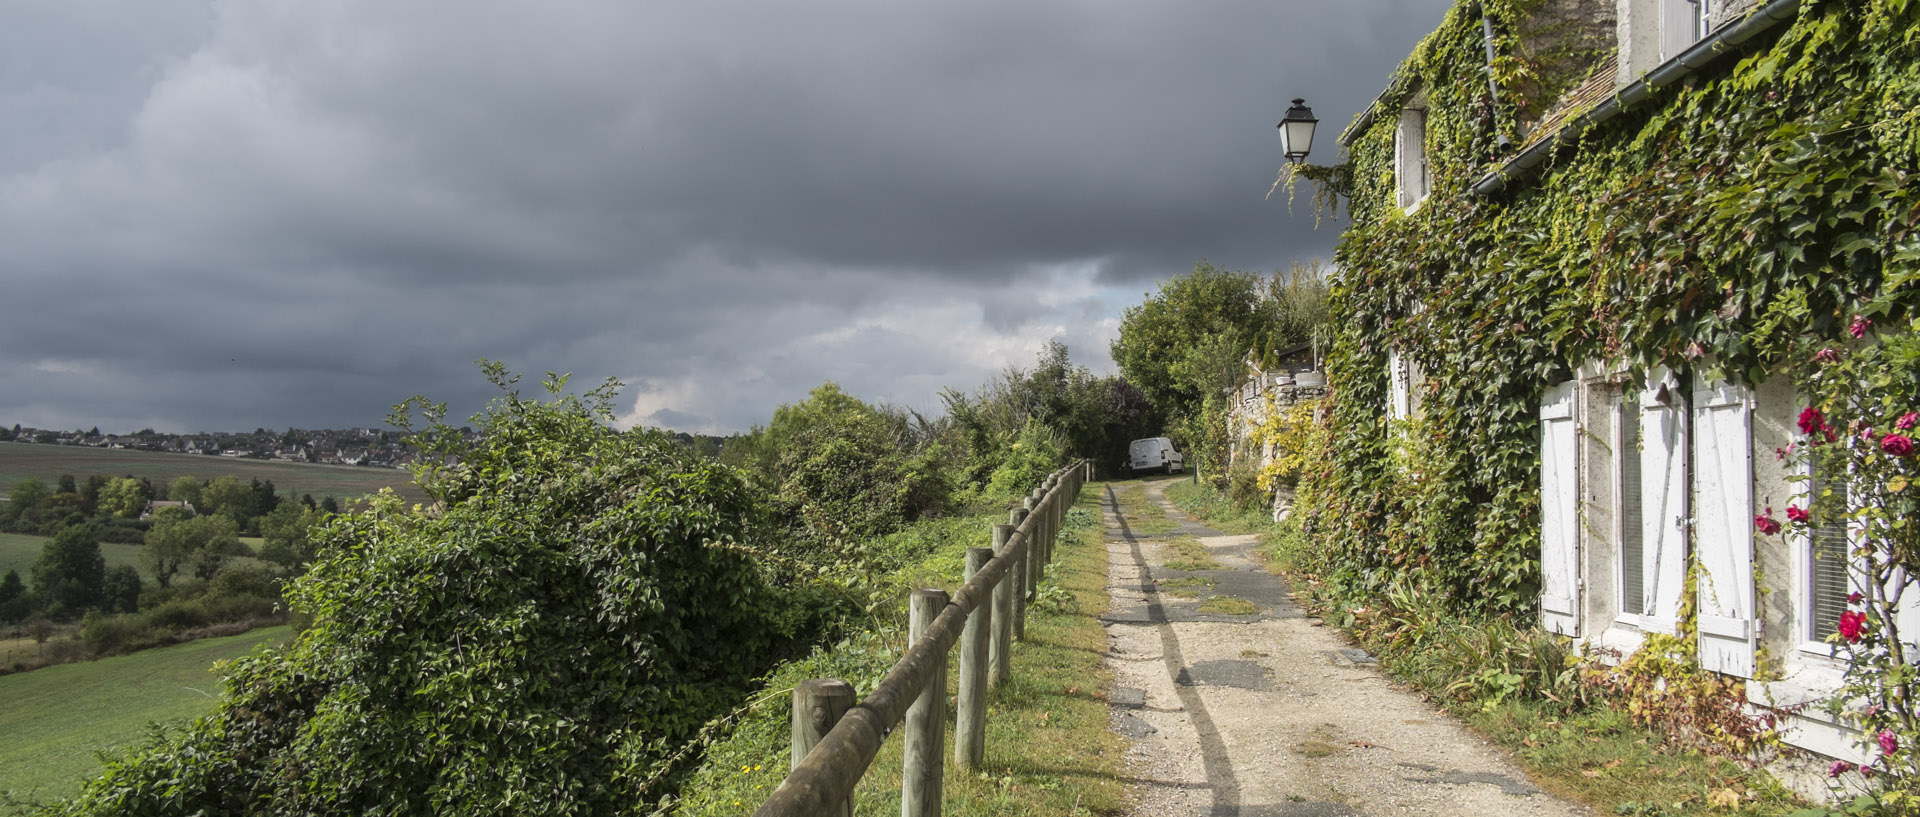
<point x="1559" y="512"/>
<point x="1679" y="27"/>
<point x="1663" y="491"/>
<point x="1724" y="529"/>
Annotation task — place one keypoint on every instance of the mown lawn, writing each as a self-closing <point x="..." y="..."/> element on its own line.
<point x="55" y="719"/>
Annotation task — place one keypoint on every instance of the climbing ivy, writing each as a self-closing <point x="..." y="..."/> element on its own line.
<point x="1718" y="226"/>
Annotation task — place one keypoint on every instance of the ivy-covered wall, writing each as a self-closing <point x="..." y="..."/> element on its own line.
<point x="1722" y="225"/>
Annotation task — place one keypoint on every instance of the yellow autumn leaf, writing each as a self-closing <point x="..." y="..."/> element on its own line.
<point x="1724" y="798"/>
<point x="1897" y="484"/>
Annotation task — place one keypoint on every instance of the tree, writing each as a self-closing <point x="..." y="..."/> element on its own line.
<point x="200" y="544"/>
<point x="90" y="491"/>
<point x="14" y="602"/>
<point x="229" y="496"/>
<point x="469" y="660"/>
<point x="184" y="489"/>
<point x="329" y="505"/>
<point x="71" y="571"/>
<point x="67" y="485"/>
<point x="25" y="501"/>
<point x="120" y="590"/>
<point x="288" y="534"/>
<point x="125" y="497"/>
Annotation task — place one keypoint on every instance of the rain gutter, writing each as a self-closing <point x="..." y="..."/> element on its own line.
<point x="1700" y="55"/>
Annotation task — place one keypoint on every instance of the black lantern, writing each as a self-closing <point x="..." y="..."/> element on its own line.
<point x="1296" y="131"/>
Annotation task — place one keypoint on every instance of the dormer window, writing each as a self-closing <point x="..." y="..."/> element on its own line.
<point x="1410" y="174"/>
<point x="1682" y="23"/>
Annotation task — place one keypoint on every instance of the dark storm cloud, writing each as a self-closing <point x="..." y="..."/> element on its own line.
<point x="231" y="214"/>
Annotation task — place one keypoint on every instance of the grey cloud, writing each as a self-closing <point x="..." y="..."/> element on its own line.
<point x="297" y="213"/>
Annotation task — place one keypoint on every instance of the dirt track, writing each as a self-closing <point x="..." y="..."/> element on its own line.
<point x="1262" y="714"/>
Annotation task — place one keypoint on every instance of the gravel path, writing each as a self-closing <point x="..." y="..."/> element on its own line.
<point x="1266" y="715"/>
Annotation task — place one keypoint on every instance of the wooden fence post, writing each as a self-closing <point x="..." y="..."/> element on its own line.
<point x="818" y="704"/>
<point x="1000" y="652"/>
<point x="1036" y="549"/>
<point x="970" y="715"/>
<point x="920" y="782"/>
<point x="1018" y="577"/>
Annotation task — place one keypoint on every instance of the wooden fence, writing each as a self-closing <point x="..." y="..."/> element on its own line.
<point x="835" y="739"/>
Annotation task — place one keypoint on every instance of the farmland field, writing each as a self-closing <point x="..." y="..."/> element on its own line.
<point x="47" y="462"/>
<point x="56" y="718"/>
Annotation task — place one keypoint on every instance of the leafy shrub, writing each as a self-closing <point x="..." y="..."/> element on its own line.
<point x="1035" y="454"/>
<point x="541" y="642"/>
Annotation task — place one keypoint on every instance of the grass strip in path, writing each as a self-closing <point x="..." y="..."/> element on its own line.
<point x="56" y="718"/>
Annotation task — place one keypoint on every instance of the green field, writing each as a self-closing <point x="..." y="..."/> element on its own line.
<point x="56" y="718"/>
<point x="18" y="552"/>
<point x="47" y="462"/>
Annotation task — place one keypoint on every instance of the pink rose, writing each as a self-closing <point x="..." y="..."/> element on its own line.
<point x="1765" y="522"/>
<point x="1796" y="513"/>
<point x="1854" y="597"/>
<point x="1858" y="328"/>
<point x="1826" y="356"/>
<point x="1897" y="445"/>
<point x="1888" y="744"/>
<point x="1838" y="767"/>
<point x="1906" y="420"/>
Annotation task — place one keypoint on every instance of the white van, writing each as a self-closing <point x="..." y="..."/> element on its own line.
<point x="1155" y="454"/>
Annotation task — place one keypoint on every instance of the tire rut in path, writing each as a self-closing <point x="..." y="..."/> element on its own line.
<point x="1263" y="714"/>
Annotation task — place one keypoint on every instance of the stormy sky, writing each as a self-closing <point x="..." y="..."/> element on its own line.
<point x="230" y="214"/>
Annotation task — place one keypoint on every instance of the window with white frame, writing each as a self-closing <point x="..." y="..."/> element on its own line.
<point x="1411" y="177"/>
<point x="1828" y="576"/>
<point x="1682" y="23"/>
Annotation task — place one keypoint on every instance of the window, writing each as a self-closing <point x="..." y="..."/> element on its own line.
<point x="1828" y="579"/>
<point x="1410" y="174"/>
<point x="1682" y="23"/>
<point x="1633" y="566"/>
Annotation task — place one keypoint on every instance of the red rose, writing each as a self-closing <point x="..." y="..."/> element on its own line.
<point x="1897" y="445"/>
<point x="1907" y="420"/>
<point x="1796" y="513"/>
<point x="1852" y="624"/>
<point x="1854" y="597"/>
<point x="1811" y="420"/>
<point x="1766" y="524"/>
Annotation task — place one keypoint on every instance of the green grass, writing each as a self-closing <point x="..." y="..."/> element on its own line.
<point x="1191" y="555"/>
<point x="1228" y="605"/>
<point x="291" y="479"/>
<point x="1049" y="749"/>
<point x="19" y="552"/>
<point x="1143" y="516"/>
<point x="56" y="718"/>
<point x="1207" y="505"/>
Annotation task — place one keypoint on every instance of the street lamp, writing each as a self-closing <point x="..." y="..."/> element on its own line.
<point x="1296" y="131"/>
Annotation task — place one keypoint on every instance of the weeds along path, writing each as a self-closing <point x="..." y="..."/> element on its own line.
<point x="1237" y="706"/>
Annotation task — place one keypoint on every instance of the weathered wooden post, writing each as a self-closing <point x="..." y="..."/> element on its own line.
<point x="970" y="715"/>
<point x="1000" y="651"/>
<point x="1036" y="548"/>
<point x="1019" y="576"/>
<point x="926" y="725"/>
<point x="818" y="704"/>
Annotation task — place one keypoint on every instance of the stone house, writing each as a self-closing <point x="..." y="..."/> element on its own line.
<point x="1657" y="442"/>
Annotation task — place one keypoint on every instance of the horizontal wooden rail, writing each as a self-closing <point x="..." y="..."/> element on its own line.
<point x="834" y="767"/>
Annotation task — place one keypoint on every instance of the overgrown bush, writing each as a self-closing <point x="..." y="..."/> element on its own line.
<point x="541" y="641"/>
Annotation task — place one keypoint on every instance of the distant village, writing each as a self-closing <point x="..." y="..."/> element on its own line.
<point x="367" y="447"/>
<point x="354" y="446"/>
